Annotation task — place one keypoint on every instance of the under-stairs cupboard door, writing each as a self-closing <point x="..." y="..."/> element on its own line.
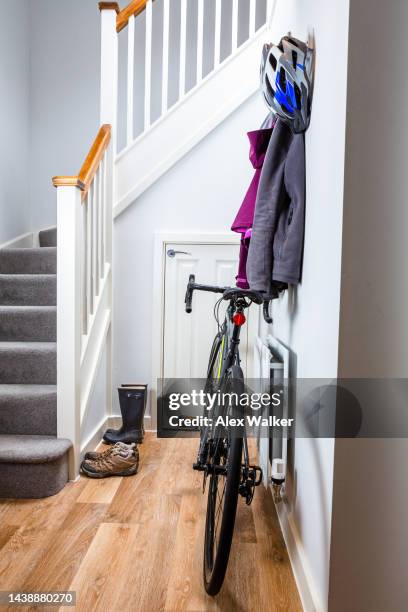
<point x="187" y="338"/>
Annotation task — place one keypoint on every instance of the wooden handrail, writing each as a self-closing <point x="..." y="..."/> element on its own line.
<point x="91" y="164"/>
<point x="134" y="8"/>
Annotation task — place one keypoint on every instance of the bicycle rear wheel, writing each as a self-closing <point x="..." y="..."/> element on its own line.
<point x="222" y="501"/>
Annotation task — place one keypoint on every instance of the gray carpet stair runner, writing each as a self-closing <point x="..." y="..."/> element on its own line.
<point x="33" y="461"/>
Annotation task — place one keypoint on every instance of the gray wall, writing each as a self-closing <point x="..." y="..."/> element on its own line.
<point x="14" y="113"/>
<point x="65" y="76"/>
<point x="369" y="548"/>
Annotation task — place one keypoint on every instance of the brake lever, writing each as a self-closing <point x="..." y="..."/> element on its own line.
<point x="266" y="315"/>
<point x="189" y="294"/>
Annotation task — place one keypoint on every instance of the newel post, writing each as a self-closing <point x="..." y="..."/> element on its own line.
<point x="109" y="113"/>
<point x="109" y="66"/>
<point x="109" y="101"/>
<point x="69" y="211"/>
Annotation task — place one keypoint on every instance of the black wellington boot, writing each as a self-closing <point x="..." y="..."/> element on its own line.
<point x="132" y="406"/>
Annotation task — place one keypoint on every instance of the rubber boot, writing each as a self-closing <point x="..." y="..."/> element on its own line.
<point x="143" y="389"/>
<point x="133" y="387"/>
<point x="132" y="406"/>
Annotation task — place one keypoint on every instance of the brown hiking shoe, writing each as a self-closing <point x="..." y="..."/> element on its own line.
<point x="119" y="462"/>
<point x="96" y="455"/>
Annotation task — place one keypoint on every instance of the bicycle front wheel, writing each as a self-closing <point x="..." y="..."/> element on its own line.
<point x="222" y="504"/>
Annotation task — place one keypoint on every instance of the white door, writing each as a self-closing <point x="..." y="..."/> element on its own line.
<point x="188" y="337"/>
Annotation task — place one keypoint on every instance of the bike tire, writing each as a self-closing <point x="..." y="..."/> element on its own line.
<point x="214" y="568"/>
<point x="212" y="362"/>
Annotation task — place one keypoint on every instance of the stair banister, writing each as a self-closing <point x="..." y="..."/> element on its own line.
<point x="84" y="300"/>
<point x="133" y="9"/>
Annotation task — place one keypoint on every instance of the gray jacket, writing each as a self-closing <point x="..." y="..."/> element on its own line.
<point x="276" y="247"/>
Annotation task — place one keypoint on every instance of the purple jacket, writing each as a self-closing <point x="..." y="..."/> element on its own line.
<point x="259" y="141"/>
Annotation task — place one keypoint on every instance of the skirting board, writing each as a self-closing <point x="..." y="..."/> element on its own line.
<point x="25" y="241"/>
<point x="308" y="594"/>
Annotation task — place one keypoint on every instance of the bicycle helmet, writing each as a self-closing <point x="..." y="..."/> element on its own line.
<point x="287" y="81"/>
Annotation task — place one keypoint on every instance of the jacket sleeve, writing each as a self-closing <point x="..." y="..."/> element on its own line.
<point x="269" y="202"/>
<point x="288" y="252"/>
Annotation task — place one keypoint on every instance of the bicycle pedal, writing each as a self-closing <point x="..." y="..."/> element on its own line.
<point x="199" y="467"/>
<point x="256" y="469"/>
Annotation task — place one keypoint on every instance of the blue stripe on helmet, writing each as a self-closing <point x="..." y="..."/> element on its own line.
<point x="282" y="97"/>
<point x="290" y="89"/>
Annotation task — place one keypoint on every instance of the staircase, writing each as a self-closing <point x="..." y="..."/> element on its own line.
<point x="40" y="311"/>
<point x="224" y="39"/>
<point x="33" y="462"/>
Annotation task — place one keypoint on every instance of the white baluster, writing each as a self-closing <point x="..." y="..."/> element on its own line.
<point x="165" y="70"/>
<point x="103" y="213"/>
<point x="183" y="34"/>
<point x="100" y="223"/>
<point x="89" y="266"/>
<point x="130" y="78"/>
<point x="217" y="41"/>
<point x="148" y="63"/>
<point x="108" y="206"/>
<point x="252" y="18"/>
<point x="84" y="241"/>
<point x="234" y="44"/>
<point x="95" y="217"/>
<point x="200" y="40"/>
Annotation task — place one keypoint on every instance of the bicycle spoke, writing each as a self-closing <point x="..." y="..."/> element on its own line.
<point x="218" y="515"/>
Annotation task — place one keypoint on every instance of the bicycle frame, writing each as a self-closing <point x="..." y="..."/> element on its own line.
<point x="229" y="355"/>
<point x="224" y="456"/>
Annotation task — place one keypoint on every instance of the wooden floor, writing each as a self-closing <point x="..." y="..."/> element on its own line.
<point x="136" y="543"/>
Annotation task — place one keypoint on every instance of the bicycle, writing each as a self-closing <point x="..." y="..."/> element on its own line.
<point x="223" y="455"/>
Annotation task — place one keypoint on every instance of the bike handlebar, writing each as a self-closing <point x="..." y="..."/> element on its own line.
<point x="193" y="286"/>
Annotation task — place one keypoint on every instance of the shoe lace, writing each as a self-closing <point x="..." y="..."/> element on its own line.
<point x="106" y="462"/>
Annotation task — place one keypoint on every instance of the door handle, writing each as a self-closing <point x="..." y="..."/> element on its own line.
<point x="173" y="253"/>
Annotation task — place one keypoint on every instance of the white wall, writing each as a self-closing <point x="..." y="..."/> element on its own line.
<point x="97" y="413"/>
<point x="369" y="533"/>
<point x="64" y="88"/>
<point x="307" y="319"/>
<point x="201" y="193"/>
<point x="14" y="111"/>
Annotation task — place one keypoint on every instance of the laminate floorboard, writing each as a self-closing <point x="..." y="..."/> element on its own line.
<point x="135" y="544"/>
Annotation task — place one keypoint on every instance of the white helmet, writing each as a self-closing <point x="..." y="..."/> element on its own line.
<point x="287" y="81"/>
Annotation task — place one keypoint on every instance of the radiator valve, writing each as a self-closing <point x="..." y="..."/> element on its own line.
<point x="278" y="478"/>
